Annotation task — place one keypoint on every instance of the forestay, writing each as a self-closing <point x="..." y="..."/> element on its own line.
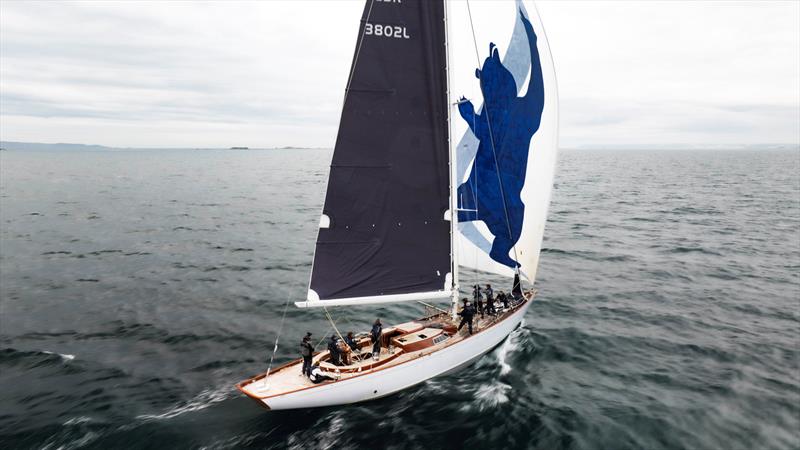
<point x="384" y="235"/>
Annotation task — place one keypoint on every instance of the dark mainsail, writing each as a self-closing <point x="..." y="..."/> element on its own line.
<point x="383" y="231"/>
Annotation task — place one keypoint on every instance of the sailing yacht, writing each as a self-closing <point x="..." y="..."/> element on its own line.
<point x="444" y="160"/>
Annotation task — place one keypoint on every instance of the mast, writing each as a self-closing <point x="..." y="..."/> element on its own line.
<point x="453" y="176"/>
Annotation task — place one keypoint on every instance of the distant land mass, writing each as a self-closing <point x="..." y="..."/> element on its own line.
<point x="38" y="147"/>
<point x="67" y="147"/>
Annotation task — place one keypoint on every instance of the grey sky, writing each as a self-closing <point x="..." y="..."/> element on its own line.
<point x="272" y="73"/>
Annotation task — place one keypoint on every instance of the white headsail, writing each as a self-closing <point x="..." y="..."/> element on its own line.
<point x="506" y="153"/>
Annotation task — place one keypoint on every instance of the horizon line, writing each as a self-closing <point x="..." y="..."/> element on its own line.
<point x="610" y="146"/>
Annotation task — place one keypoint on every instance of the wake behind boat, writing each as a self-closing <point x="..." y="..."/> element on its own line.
<point x="406" y="207"/>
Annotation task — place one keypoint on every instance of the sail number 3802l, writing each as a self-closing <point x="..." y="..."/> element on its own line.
<point x="390" y="31"/>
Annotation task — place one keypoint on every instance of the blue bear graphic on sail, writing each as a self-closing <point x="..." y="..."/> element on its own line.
<point x="504" y="130"/>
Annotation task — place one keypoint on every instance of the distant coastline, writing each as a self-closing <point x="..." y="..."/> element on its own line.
<point x="68" y="147"/>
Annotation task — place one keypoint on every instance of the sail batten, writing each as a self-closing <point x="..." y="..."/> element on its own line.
<point x="388" y="189"/>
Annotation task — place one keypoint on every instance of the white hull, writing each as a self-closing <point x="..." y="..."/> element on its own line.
<point x="383" y="382"/>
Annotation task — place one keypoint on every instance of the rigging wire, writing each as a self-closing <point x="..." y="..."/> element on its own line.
<point x="358" y="51"/>
<point x="352" y="325"/>
<point x="491" y="134"/>
<point x="332" y="328"/>
<point x="277" y="338"/>
<point x="323" y="338"/>
<point x="347" y="90"/>
<point x="333" y="323"/>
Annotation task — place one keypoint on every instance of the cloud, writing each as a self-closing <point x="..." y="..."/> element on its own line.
<point x="273" y="73"/>
<point x="592" y="122"/>
<point x="676" y="72"/>
<point x="160" y="67"/>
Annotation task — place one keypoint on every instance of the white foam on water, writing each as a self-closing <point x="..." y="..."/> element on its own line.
<point x="57" y="441"/>
<point x="323" y="438"/>
<point x="488" y="396"/>
<point x="202" y="400"/>
<point x="499" y="355"/>
<point x="77" y="420"/>
<point x="511" y="345"/>
<point x="435" y="386"/>
<point x="65" y="357"/>
<point x="492" y="395"/>
<point x="330" y="437"/>
<point x="83" y="441"/>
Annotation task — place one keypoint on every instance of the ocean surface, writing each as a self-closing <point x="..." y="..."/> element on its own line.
<point x="138" y="287"/>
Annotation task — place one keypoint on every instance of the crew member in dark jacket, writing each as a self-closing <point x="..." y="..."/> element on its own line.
<point x="478" y="299"/>
<point x="489" y="292"/>
<point x="503" y="298"/>
<point x="375" y="337"/>
<point x="307" y="351"/>
<point x="467" y="313"/>
<point x="333" y="348"/>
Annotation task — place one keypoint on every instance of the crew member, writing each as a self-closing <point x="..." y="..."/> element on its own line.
<point x="489" y="292"/>
<point x="375" y="337"/>
<point x="516" y="290"/>
<point x="478" y="299"/>
<point x="503" y="298"/>
<point x="467" y="313"/>
<point x="333" y="348"/>
<point x="318" y="375"/>
<point x="307" y="351"/>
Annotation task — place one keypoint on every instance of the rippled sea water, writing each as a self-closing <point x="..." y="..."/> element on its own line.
<point x="138" y="287"/>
